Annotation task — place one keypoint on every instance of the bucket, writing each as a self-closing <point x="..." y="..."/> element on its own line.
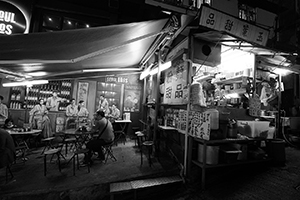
<point x="276" y="150"/>
<point x="212" y="154"/>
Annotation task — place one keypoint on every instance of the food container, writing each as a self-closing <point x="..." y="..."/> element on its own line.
<point x="228" y="154"/>
<point x="212" y="154"/>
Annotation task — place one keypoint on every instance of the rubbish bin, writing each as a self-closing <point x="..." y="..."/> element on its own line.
<point x="276" y="151"/>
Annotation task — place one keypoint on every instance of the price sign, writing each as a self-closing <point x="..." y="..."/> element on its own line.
<point x="176" y="91"/>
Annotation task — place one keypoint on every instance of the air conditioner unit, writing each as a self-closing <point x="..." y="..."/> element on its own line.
<point x="207" y="53"/>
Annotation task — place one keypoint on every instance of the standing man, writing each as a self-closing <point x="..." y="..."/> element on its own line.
<point x="3" y="111"/>
<point x="53" y="102"/>
<point x="103" y="127"/>
<point x="103" y="105"/>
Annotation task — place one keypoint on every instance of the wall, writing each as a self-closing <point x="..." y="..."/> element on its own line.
<point x="132" y="84"/>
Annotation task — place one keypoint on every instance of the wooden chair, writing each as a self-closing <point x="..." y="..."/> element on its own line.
<point x="75" y="158"/>
<point x="51" y="152"/>
<point x="108" y="152"/>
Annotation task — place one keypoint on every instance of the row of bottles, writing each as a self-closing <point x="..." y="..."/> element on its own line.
<point x="16" y="93"/>
<point x="64" y="88"/>
<point x="15" y="105"/>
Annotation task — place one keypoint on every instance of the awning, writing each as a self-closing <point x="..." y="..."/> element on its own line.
<point x="266" y="57"/>
<point x="68" y="53"/>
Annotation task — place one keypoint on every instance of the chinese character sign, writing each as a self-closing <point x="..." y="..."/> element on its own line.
<point x="175" y="83"/>
<point x="223" y="22"/>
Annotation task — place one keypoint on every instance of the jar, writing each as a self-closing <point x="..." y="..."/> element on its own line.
<point x="214" y="119"/>
<point x="232" y="128"/>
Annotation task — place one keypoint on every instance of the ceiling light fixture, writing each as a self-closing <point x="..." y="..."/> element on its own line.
<point x="25" y="83"/>
<point x="110" y="70"/>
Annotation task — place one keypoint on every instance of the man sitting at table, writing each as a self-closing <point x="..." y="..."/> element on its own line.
<point x="103" y="127"/>
<point x="114" y="114"/>
<point x="71" y="112"/>
<point x="7" y="148"/>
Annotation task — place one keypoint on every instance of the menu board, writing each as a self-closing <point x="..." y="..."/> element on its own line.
<point x="176" y="90"/>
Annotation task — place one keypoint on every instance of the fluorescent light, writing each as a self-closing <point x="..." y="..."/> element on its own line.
<point x="163" y="67"/>
<point x="37" y="74"/>
<point x="145" y="73"/>
<point x="281" y="71"/>
<point x="27" y="83"/>
<point x="110" y="69"/>
<point x="154" y="71"/>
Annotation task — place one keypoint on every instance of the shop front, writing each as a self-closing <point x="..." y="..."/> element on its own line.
<point x="220" y="99"/>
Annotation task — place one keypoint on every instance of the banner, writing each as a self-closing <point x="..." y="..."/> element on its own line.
<point x="176" y="91"/>
<point x="219" y="21"/>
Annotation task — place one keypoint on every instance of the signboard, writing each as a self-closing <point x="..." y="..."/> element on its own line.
<point x="12" y="19"/>
<point x="223" y="22"/>
<point x="176" y="91"/>
<point x="115" y="79"/>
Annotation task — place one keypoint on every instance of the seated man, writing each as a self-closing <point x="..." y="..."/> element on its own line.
<point x="71" y="112"/>
<point x="114" y="114"/>
<point x="103" y="127"/>
<point x="9" y="124"/>
<point x="7" y="148"/>
<point x="82" y="112"/>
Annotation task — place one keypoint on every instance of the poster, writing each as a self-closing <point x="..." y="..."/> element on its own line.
<point x="132" y="100"/>
<point x="83" y="88"/>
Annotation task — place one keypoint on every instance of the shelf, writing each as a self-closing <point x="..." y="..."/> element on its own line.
<point x="174" y="105"/>
<point x="228" y="140"/>
<point x="237" y="79"/>
<point x="244" y="162"/>
<point x="169" y="128"/>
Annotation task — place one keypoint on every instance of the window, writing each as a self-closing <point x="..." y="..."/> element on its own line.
<point x="247" y="13"/>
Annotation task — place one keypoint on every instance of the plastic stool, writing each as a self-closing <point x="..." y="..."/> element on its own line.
<point x="140" y="138"/>
<point x="149" y="145"/>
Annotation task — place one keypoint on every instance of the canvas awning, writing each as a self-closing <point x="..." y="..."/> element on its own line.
<point x="67" y="53"/>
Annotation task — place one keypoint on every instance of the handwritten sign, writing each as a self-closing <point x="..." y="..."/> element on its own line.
<point x="200" y="124"/>
<point x="176" y="91"/>
<point x="223" y="22"/>
<point x="254" y="106"/>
